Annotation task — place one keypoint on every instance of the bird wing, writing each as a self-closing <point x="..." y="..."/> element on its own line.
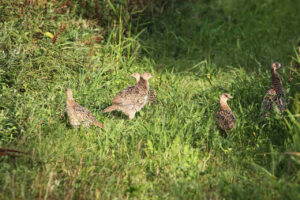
<point x="270" y="98"/>
<point x="151" y="95"/>
<point x="128" y="96"/>
<point x="273" y="98"/>
<point x="83" y="113"/>
<point x="225" y="119"/>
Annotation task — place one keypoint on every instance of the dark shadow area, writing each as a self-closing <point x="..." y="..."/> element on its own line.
<point x="247" y="34"/>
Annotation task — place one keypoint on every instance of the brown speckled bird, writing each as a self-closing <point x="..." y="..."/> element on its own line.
<point x="151" y="95"/>
<point x="132" y="99"/>
<point x="296" y="66"/>
<point x="225" y="117"/>
<point x="275" y="97"/>
<point x="79" y="115"/>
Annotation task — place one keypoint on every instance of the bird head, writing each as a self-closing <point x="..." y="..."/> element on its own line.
<point x="225" y="97"/>
<point x="275" y="66"/>
<point x="146" y="75"/>
<point x="136" y="75"/>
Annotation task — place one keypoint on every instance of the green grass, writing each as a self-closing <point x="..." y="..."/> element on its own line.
<point x="172" y="149"/>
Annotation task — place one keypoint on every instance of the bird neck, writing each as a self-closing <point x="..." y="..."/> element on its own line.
<point x="137" y="79"/>
<point x="143" y="84"/>
<point x="70" y="98"/>
<point x="276" y="82"/>
<point x="224" y="105"/>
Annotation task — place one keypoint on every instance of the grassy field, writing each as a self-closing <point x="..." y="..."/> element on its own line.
<point x="172" y="149"/>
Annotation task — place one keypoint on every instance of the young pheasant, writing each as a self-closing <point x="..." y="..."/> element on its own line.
<point x="79" y="115"/>
<point x="296" y="66"/>
<point x="275" y="97"/>
<point x="225" y="117"/>
<point x="151" y="95"/>
<point x="132" y="99"/>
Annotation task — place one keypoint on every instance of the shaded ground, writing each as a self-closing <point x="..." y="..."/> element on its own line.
<point x="232" y="33"/>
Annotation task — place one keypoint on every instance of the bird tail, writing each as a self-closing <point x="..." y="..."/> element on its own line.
<point x="110" y="108"/>
<point x="99" y="125"/>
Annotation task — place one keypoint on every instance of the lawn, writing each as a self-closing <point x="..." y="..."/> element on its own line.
<point x="196" y="50"/>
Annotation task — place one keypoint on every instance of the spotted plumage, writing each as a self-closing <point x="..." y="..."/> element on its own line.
<point x="274" y="100"/>
<point x="296" y="66"/>
<point x="79" y="115"/>
<point x="225" y="117"/>
<point x="132" y="99"/>
<point x="151" y="95"/>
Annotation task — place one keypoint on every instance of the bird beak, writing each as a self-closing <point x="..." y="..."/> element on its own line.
<point x="231" y="97"/>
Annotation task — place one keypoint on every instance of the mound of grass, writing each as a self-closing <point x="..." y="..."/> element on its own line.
<point x="172" y="149"/>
